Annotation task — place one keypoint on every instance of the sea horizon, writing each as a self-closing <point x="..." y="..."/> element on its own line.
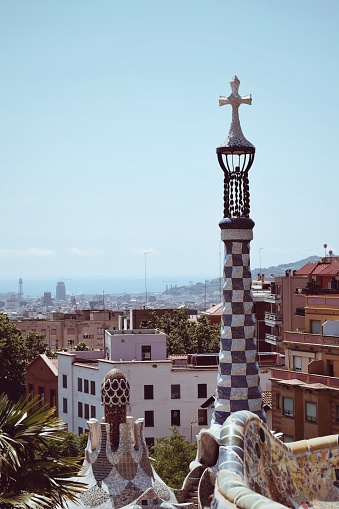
<point x="95" y="285"/>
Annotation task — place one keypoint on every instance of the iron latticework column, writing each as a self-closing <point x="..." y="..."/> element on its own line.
<point x="238" y="376"/>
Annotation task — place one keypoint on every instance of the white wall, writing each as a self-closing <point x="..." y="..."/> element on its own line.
<point x="157" y="373"/>
<point x="127" y="345"/>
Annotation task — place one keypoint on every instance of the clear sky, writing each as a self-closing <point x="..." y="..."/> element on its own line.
<point x="109" y="121"/>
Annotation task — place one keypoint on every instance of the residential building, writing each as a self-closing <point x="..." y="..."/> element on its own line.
<point x="66" y="330"/>
<point x="163" y="394"/>
<point x="305" y="396"/>
<point x="42" y="380"/>
<point x="135" y="344"/>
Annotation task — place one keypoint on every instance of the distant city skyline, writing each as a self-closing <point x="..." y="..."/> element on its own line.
<point x="110" y="121"/>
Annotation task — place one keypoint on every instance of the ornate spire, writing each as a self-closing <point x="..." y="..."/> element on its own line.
<point x="235" y="136"/>
<point x="236" y="157"/>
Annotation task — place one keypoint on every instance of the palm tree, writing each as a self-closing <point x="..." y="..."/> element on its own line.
<point x="27" y="479"/>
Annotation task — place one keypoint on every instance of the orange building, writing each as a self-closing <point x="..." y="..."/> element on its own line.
<point x="305" y="395"/>
<point x="42" y="379"/>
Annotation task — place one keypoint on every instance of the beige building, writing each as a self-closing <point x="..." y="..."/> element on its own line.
<point x="66" y="330"/>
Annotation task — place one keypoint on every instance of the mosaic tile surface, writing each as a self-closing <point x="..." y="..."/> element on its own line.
<point x="257" y="470"/>
<point x="238" y="376"/>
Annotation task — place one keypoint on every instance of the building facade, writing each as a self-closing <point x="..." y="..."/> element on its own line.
<point x="305" y="395"/>
<point x="162" y="394"/>
<point x="66" y="330"/>
<point x="42" y="380"/>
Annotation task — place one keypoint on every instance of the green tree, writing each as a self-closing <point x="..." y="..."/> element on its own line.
<point x="172" y="457"/>
<point x="12" y="359"/>
<point x="35" y="344"/>
<point x="81" y="346"/>
<point x="185" y="335"/>
<point x="70" y="445"/>
<point x="207" y="335"/>
<point x="28" y="479"/>
<point x="16" y="353"/>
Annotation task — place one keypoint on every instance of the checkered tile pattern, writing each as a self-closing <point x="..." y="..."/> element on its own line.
<point x="238" y="377"/>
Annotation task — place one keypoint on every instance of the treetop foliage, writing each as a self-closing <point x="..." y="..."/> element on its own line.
<point x="185" y="335"/>
<point x="16" y="352"/>
<point x="172" y="457"/>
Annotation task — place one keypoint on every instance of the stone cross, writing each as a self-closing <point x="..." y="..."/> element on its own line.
<point x="235" y="136"/>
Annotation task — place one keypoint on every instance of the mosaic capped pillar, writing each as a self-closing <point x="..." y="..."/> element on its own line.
<point x="238" y="386"/>
<point x="115" y="392"/>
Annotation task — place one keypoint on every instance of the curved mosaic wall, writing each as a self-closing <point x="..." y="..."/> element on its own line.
<point x="257" y="470"/>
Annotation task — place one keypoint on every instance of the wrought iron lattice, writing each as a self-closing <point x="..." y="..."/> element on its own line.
<point x="236" y="183"/>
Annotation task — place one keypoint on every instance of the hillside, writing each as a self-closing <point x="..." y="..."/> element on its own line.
<point x="214" y="285"/>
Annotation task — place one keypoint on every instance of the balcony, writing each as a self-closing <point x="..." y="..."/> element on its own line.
<point x="273" y="319"/>
<point x="273" y="340"/>
<point x="313" y="289"/>
<point x="273" y="298"/>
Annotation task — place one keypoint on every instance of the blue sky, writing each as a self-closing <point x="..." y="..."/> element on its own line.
<point x="109" y="121"/>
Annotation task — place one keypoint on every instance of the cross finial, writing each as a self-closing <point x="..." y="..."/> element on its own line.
<point x="235" y="136"/>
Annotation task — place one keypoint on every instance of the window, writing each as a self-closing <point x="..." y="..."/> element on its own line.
<point x="86" y="411"/>
<point x="64" y="405"/>
<point x="149" y="442"/>
<point x="148" y="392"/>
<point x="175" y="417"/>
<point x="86" y="385"/>
<point x="93" y="387"/>
<point x="316" y="326"/>
<point x="277" y="400"/>
<point x="31" y="391"/>
<point x="100" y="330"/>
<point x="79" y="409"/>
<point x="80" y="384"/>
<point x="149" y="418"/>
<point x="202" y="390"/>
<point x="64" y="381"/>
<point x="330" y="368"/>
<point x="310" y="411"/>
<point x="146" y="353"/>
<point x="202" y="416"/>
<point x="296" y="363"/>
<point x="80" y="431"/>
<point x="175" y="391"/>
<point x="52" y="397"/>
<point x="88" y="336"/>
<point x="70" y="330"/>
<point x="41" y="391"/>
<point x="93" y="412"/>
<point x="288" y="407"/>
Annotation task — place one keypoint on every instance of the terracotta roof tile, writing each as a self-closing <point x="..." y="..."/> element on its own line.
<point x="332" y="269"/>
<point x="307" y="269"/>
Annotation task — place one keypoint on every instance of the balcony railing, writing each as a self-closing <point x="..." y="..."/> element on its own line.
<point x="313" y="339"/>
<point x="284" y="374"/>
<point x="273" y="340"/>
<point x="273" y="297"/>
<point x="273" y="318"/>
<point x="316" y="290"/>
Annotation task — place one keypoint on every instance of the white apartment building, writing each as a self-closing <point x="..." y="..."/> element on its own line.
<point x="135" y="344"/>
<point x="162" y="394"/>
